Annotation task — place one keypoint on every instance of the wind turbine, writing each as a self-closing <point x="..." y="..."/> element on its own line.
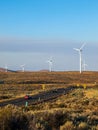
<point x="84" y="66"/>
<point x="22" y="66"/>
<point x="6" y="68"/>
<point x="50" y="61"/>
<point x="80" y="55"/>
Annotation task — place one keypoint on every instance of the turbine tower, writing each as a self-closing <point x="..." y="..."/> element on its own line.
<point x="22" y="66"/>
<point x="80" y="55"/>
<point x="50" y="61"/>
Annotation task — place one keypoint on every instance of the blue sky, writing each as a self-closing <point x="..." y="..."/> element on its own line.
<point x="31" y="31"/>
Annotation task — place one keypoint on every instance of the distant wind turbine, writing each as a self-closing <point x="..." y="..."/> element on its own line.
<point x="84" y="66"/>
<point x="50" y="61"/>
<point x="22" y="66"/>
<point x="6" y="68"/>
<point x="80" y="55"/>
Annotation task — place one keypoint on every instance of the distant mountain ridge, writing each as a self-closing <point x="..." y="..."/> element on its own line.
<point x="4" y="70"/>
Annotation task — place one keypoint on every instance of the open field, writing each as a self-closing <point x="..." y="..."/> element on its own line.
<point x="18" y="84"/>
<point x="48" y="77"/>
<point x="75" y="110"/>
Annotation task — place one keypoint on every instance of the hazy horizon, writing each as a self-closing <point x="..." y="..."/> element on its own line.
<point x="33" y="31"/>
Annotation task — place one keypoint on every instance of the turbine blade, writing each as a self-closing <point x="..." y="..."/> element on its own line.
<point x="82" y="46"/>
<point x="22" y="65"/>
<point x="76" y="49"/>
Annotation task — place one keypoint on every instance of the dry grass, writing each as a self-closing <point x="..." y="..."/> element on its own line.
<point x="92" y="93"/>
<point x="18" y="84"/>
<point x="76" y="110"/>
<point x="81" y="110"/>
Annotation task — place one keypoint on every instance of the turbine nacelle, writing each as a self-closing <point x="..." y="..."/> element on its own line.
<point x="49" y="61"/>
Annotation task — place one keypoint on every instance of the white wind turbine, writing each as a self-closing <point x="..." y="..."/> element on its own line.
<point x="80" y="55"/>
<point x="22" y="66"/>
<point x="50" y="61"/>
<point x="84" y="66"/>
<point x="6" y="68"/>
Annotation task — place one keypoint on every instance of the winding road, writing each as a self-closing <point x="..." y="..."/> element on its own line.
<point x="40" y="97"/>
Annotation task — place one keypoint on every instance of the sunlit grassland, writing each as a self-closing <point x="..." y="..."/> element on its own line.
<point x="76" y="110"/>
<point x="18" y="84"/>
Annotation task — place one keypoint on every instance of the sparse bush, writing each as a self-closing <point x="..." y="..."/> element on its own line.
<point x="38" y="123"/>
<point x="67" y="126"/>
<point x="13" y="119"/>
<point x="94" y="119"/>
<point x="55" y="118"/>
<point x="62" y="105"/>
<point x="83" y="126"/>
<point x="81" y="118"/>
